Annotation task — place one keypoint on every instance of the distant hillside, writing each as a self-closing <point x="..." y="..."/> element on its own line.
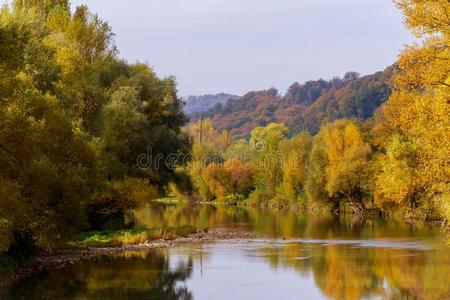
<point x="304" y="106"/>
<point x="195" y="104"/>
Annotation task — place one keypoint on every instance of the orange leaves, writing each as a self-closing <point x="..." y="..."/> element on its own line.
<point x="231" y="177"/>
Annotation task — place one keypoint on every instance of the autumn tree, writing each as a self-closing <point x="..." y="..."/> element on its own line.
<point x="230" y="178"/>
<point x="265" y="144"/>
<point x="74" y="119"/>
<point x="426" y="64"/>
<point x="203" y="132"/>
<point x="340" y="162"/>
<point x="413" y="128"/>
<point x="201" y="157"/>
<point x="295" y="154"/>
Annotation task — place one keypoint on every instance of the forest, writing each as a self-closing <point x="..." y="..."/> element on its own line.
<point x="305" y="106"/>
<point x="75" y="119"/>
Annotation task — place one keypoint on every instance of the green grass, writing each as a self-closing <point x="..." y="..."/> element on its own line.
<point x="129" y="237"/>
<point x="167" y="200"/>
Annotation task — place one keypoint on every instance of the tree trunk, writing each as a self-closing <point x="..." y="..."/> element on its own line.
<point x="358" y="207"/>
<point x="336" y="207"/>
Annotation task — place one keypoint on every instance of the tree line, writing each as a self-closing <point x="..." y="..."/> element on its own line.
<point x="306" y="106"/>
<point x="397" y="162"/>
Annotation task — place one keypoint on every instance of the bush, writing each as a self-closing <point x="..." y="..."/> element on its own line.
<point x="109" y="207"/>
<point x="230" y="178"/>
<point x="232" y="199"/>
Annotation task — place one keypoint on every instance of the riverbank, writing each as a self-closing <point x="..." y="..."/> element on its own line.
<point x="288" y="248"/>
<point x="414" y="217"/>
<point x="62" y="258"/>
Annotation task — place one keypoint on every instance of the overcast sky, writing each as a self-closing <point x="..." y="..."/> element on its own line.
<point x="236" y="46"/>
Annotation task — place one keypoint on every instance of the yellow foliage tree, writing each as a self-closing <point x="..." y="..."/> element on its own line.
<point x="265" y="143"/>
<point x="426" y="64"/>
<point x="295" y="157"/>
<point x="203" y="132"/>
<point x="340" y="166"/>
<point x="348" y="167"/>
<point x="414" y="125"/>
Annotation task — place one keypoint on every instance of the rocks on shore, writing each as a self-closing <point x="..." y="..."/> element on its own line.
<point x="63" y="258"/>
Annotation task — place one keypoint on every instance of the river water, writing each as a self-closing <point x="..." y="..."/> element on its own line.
<point x="293" y="256"/>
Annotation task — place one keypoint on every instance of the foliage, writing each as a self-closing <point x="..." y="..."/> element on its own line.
<point x="265" y="143"/>
<point x="202" y="156"/>
<point x="340" y="165"/>
<point x="305" y="106"/>
<point x="295" y="154"/>
<point x="229" y="178"/>
<point x="74" y="119"/>
<point x="119" y="196"/>
<point x="413" y="127"/>
<point x="426" y="64"/>
<point x="203" y="132"/>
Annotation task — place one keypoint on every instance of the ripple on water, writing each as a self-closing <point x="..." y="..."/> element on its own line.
<point x="378" y="243"/>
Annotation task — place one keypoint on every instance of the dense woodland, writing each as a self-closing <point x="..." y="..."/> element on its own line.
<point x="75" y="120"/>
<point x="305" y="106"/>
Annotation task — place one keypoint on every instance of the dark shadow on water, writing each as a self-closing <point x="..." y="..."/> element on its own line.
<point x="132" y="275"/>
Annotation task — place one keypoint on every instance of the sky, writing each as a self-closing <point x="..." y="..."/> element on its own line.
<point x="235" y="46"/>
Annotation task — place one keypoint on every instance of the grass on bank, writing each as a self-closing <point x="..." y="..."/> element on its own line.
<point x="168" y="200"/>
<point x="129" y="236"/>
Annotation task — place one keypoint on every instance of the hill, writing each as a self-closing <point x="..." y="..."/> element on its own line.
<point x="304" y="106"/>
<point x="196" y="104"/>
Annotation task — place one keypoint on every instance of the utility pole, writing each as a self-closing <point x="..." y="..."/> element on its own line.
<point x="201" y="130"/>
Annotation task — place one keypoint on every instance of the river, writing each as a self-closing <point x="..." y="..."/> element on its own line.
<point x="293" y="256"/>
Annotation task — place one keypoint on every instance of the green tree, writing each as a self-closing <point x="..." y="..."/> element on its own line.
<point x="74" y="119"/>
<point x="265" y="144"/>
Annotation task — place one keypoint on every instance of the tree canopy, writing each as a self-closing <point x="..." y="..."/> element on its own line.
<point x="74" y="118"/>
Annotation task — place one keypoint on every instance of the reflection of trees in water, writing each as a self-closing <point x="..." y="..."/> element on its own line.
<point x="133" y="275"/>
<point x="352" y="272"/>
<point x="344" y="273"/>
<point x="340" y="271"/>
<point x="278" y="223"/>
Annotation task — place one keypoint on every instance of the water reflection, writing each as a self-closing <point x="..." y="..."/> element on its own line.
<point x="279" y="223"/>
<point x="297" y="256"/>
<point x="131" y="275"/>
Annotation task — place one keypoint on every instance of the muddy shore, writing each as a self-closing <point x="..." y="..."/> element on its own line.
<point x="62" y="258"/>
